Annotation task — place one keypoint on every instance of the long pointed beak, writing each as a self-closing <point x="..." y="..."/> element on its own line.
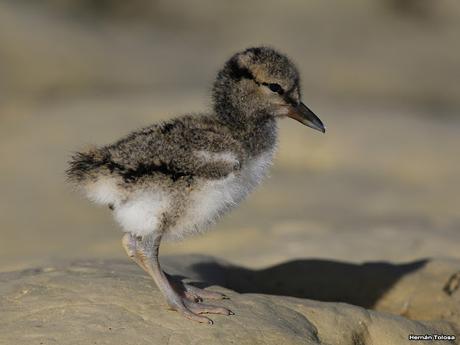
<point x="305" y="116"/>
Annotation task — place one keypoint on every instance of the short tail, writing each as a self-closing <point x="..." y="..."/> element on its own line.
<point x="84" y="165"/>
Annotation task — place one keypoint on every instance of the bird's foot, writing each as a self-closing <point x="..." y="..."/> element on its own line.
<point x="193" y="309"/>
<point x="187" y="301"/>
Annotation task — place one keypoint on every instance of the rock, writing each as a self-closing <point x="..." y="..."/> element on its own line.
<point x="114" y="302"/>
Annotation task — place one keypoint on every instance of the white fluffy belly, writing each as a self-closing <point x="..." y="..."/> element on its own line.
<point x="217" y="197"/>
<point x="142" y="213"/>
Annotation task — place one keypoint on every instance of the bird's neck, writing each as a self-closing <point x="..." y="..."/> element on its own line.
<point x="255" y="129"/>
<point x="257" y="132"/>
<point x="260" y="134"/>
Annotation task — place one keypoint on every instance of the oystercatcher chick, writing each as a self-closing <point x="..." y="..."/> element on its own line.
<point x="177" y="177"/>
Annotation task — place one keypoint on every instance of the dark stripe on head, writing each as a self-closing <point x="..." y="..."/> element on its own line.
<point x="237" y="72"/>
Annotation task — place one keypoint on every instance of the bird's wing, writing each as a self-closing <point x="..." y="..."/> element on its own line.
<point x="177" y="149"/>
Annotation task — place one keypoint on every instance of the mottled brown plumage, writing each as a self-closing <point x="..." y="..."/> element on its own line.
<point x="177" y="177"/>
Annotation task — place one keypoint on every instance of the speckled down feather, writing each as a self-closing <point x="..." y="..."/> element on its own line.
<point x="179" y="176"/>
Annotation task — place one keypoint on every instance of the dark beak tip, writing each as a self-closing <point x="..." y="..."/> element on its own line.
<point x="319" y="126"/>
<point x="323" y="128"/>
<point x="304" y="115"/>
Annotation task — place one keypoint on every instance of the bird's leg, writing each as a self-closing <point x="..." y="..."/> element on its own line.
<point x="191" y="292"/>
<point x="129" y="244"/>
<point x="145" y="253"/>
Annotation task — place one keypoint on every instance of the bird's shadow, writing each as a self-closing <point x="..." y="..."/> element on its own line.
<point x="324" y="280"/>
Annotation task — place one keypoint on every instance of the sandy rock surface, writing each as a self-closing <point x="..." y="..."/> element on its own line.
<point x="114" y="302"/>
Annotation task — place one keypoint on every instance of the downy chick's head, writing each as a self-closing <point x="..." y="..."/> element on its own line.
<point x="260" y="82"/>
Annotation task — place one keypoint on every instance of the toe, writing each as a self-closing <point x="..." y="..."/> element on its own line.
<point x="195" y="317"/>
<point x="208" y="309"/>
<point x="186" y="311"/>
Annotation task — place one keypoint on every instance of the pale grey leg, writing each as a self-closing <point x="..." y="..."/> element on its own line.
<point x="145" y="253"/>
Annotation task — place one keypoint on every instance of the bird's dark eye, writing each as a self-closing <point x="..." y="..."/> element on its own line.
<point x="276" y="88"/>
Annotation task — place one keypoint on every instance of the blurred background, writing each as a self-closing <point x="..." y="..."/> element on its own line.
<point x="384" y="76"/>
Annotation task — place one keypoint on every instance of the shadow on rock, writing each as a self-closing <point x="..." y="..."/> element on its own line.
<point x="322" y="280"/>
